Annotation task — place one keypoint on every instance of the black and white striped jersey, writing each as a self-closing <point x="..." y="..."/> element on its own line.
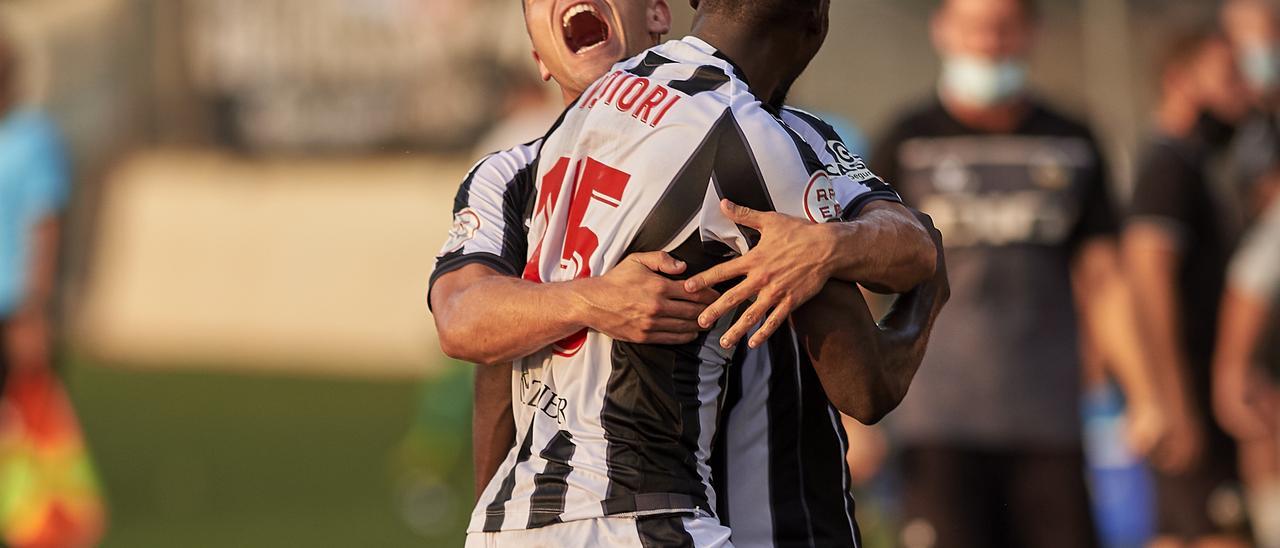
<point x="779" y="464"/>
<point x="607" y="428"/>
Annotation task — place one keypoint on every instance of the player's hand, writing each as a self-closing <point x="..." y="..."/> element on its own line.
<point x="1180" y="450"/>
<point x="782" y="272"/>
<point x="635" y="303"/>
<point x="1244" y="404"/>
<point x="1146" y="426"/>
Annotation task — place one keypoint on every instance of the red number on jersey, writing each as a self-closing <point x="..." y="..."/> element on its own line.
<point x="594" y="182"/>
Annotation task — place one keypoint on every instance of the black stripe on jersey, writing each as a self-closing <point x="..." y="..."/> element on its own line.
<point x="705" y="78"/>
<point x="663" y="532"/>
<point x="650" y="64"/>
<point x="880" y="190"/>
<point x="550" y="487"/>
<point x="682" y="199"/>
<point x="515" y="201"/>
<point x="737" y="70"/>
<point x="496" y="512"/>
<point x="738" y="176"/>
<point x="730" y="393"/>
<point x="826" y="489"/>
<point x="462" y="198"/>
<point x="458" y="258"/>
<point x="791" y="520"/>
<point x="651" y="425"/>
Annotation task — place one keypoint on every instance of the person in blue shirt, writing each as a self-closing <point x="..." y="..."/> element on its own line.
<point x="34" y="184"/>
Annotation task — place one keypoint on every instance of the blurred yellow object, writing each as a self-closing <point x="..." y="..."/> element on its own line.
<point x="49" y="496"/>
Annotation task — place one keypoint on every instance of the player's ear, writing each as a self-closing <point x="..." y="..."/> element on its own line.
<point x="659" y="17"/>
<point x="542" y="67"/>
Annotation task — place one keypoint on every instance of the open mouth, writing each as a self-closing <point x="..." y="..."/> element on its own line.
<point x="584" y="28"/>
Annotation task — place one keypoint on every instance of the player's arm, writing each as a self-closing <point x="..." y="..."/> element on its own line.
<point x="885" y="247"/>
<point x="882" y="246"/>
<point x="486" y="314"/>
<point x="493" y="427"/>
<point x="1106" y="304"/>
<point x="486" y="317"/>
<point x="28" y="335"/>
<point x="1240" y="395"/>
<point x="1243" y="397"/>
<point x="866" y="368"/>
<point x="1151" y="257"/>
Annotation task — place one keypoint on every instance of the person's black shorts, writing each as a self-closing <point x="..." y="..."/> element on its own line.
<point x="960" y="498"/>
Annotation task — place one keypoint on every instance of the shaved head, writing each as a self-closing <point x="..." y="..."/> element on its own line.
<point x="763" y="11"/>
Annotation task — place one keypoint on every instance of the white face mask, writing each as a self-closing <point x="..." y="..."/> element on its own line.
<point x="982" y="82"/>
<point x="1260" y="64"/>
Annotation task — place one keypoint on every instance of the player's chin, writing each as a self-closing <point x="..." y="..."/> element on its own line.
<point x="594" y="63"/>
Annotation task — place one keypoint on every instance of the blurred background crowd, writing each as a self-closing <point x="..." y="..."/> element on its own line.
<point x="218" y="217"/>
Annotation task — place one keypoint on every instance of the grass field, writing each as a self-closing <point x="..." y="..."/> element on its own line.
<point x="205" y="459"/>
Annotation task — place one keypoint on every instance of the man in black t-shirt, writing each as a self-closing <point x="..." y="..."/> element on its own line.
<point x="1177" y="242"/>
<point x="991" y="428"/>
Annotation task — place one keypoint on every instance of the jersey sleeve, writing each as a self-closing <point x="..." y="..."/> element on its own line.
<point x="1164" y="192"/>
<point x="47" y="174"/>
<point x="838" y="159"/>
<point x="488" y="215"/>
<point x="1255" y="269"/>
<point x="762" y="164"/>
<point x="1098" y="217"/>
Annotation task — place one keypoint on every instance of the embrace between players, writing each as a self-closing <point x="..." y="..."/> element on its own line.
<point x="605" y="274"/>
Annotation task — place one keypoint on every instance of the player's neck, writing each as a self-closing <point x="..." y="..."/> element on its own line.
<point x="758" y="55"/>
<point x="1177" y="116"/>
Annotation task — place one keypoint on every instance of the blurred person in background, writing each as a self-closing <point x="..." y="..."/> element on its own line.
<point x="34" y="185"/>
<point x="991" y="433"/>
<point x="48" y="493"/>
<point x="1177" y="241"/>
<point x="1253" y="28"/>
<point x="1246" y="382"/>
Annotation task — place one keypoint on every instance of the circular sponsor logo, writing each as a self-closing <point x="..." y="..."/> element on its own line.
<point x="820" y="203"/>
<point x="465" y="224"/>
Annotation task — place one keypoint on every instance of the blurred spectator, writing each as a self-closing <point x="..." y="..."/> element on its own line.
<point x="991" y="429"/>
<point x="1177" y="242"/>
<point x="48" y="496"/>
<point x="1253" y="28"/>
<point x="1247" y="361"/>
<point x="33" y="188"/>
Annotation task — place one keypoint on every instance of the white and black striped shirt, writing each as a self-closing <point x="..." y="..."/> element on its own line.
<point x="627" y="429"/>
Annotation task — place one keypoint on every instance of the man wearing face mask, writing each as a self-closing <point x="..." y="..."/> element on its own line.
<point x="1177" y="242"/>
<point x="991" y="430"/>
<point x="1253" y="29"/>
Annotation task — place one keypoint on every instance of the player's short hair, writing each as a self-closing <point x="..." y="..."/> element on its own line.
<point x="762" y="11"/>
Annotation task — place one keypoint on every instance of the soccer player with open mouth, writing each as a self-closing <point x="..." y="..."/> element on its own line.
<point x="550" y="485"/>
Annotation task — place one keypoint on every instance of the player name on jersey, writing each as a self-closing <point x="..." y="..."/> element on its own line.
<point x="624" y="91"/>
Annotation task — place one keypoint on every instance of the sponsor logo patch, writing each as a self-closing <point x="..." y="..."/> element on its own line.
<point x="820" y="203"/>
<point x="465" y="224"/>
<point x="847" y="163"/>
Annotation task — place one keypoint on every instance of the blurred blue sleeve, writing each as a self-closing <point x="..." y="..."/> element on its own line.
<point x="47" y="174"/>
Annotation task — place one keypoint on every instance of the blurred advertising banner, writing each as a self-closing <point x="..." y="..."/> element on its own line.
<point x="340" y="74"/>
<point x="293" y="266"/>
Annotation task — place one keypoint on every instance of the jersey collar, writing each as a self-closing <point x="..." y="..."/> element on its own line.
<point x="702" y="45"/>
